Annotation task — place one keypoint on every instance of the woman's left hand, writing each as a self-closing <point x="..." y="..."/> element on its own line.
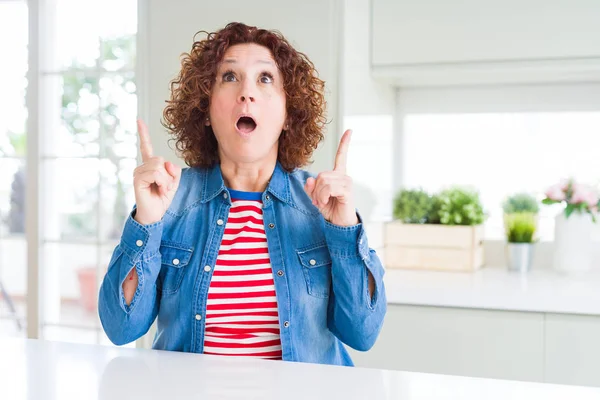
<point x="332" y="192"/>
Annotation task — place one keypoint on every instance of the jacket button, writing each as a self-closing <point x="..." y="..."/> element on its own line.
<point x="198" y="317"/>
<point x="139" y="243"/>
<point x="280" y="273"/>
<point x="271" y="225"/>
<point x="176" y="261"/>
<point x="219" y="222"/>
<point x="286" y="324"/>
<point x="312" y="262"/>
<point x="207" y="268"/>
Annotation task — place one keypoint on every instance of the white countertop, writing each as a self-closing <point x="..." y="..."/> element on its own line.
<point x="36" y="370"/>
<point x="496" y="288"/>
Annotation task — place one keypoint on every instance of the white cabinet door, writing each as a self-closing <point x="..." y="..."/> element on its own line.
<point x="573" y="349"/>
<point x="480" y="343"/>
<point x="409" y="32"/>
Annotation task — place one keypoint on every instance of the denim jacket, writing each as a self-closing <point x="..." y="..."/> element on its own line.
<point x="320" y="272"/>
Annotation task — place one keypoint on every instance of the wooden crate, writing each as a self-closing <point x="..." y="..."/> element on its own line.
<point x="433" y="247"/>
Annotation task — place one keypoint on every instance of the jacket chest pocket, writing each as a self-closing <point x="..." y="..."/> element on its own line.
<point x="316" y="268"/>
<point x="174" y="260"/>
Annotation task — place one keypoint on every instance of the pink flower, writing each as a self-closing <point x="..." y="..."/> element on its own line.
<point x="593" y="199"/>
<point x="584" y="195"/>
<point x="556" y="193"/>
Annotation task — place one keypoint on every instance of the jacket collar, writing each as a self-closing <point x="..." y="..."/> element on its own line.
<point x="214" y="185"/>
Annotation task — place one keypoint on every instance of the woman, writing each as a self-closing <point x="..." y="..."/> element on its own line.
<point x="243" y="253"/>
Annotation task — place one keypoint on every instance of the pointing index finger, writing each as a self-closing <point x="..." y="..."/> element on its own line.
<point x="145" y="143"/>
<point x="342" y="153"/>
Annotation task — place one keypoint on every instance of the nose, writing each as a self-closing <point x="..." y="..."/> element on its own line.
<point x="247" y="93"/>
<point x="244" y="97"/>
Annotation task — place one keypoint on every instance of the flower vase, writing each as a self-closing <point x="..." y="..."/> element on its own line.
<point x="519" y="256"/>
<point x="573" y="242"/>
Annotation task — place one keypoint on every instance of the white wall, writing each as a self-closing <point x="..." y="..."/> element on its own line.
<point x="311" y="26"/>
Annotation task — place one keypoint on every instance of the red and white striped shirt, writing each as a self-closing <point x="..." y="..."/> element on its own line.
<point x="241" y="312"/>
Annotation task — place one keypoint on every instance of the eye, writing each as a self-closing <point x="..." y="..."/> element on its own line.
<point x="266" y="78"/>
<point x="228" y="76"/>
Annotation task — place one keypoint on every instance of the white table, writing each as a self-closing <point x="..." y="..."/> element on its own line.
<point x="33" y="370"/>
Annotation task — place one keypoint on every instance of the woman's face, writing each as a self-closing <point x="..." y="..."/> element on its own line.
<point x="247" y="105"/>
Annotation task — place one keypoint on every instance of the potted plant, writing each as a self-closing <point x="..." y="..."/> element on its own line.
<point x="17" y="147"/>
<point x="412" y="206"/>
<point x="520" y="226"/>
<point x="521" y="203"/>
<point x="520" y="231"/>
<point x="573" y="246"/>
<point x="459" y="206"/>
<point x="442" y="231"/>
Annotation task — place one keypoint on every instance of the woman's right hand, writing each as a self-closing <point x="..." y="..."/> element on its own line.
<point x="155" y="182"/>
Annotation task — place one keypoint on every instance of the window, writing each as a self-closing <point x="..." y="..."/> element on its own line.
<point x="13" y="118"/>
<point x="88" y="156"/>
<point x="370" y="164"/>
<point x="87" y="111"/>
<point x="502" y="153"/>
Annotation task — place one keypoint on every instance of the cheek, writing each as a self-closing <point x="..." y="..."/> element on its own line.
<point x="276" y="102"/>
<point x="221" y="101"/>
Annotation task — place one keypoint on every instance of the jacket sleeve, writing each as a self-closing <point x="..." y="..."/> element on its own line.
<point x="139" y="249"/>
<point x="355" y="315"/>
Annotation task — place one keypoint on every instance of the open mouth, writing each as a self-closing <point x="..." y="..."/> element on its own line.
<point x="246" y="124"/>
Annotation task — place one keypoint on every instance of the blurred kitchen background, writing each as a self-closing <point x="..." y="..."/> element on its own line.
<point x="474" y="156"/>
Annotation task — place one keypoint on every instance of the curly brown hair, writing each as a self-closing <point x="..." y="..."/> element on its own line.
<point x="188" y="106"/>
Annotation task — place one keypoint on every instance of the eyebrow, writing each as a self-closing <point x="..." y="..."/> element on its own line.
<point x="234" y="61"/>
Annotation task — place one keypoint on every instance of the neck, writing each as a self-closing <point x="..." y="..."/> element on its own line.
<point x="251" y="177"/>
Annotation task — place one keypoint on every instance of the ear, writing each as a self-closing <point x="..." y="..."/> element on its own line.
<point x="286" y="122"/>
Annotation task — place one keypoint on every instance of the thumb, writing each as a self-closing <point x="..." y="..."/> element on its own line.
<point x="310" y="186"/>
<point x="174" y="171"/>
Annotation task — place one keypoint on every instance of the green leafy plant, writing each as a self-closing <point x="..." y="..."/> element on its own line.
<point x="521" y="202"/>
<point x="412" y="206"/>
<point x="434" y="212"/>
<point x="520" y="227"/>
<point x="460" y="206"/>
<point x="16" y="214"/>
